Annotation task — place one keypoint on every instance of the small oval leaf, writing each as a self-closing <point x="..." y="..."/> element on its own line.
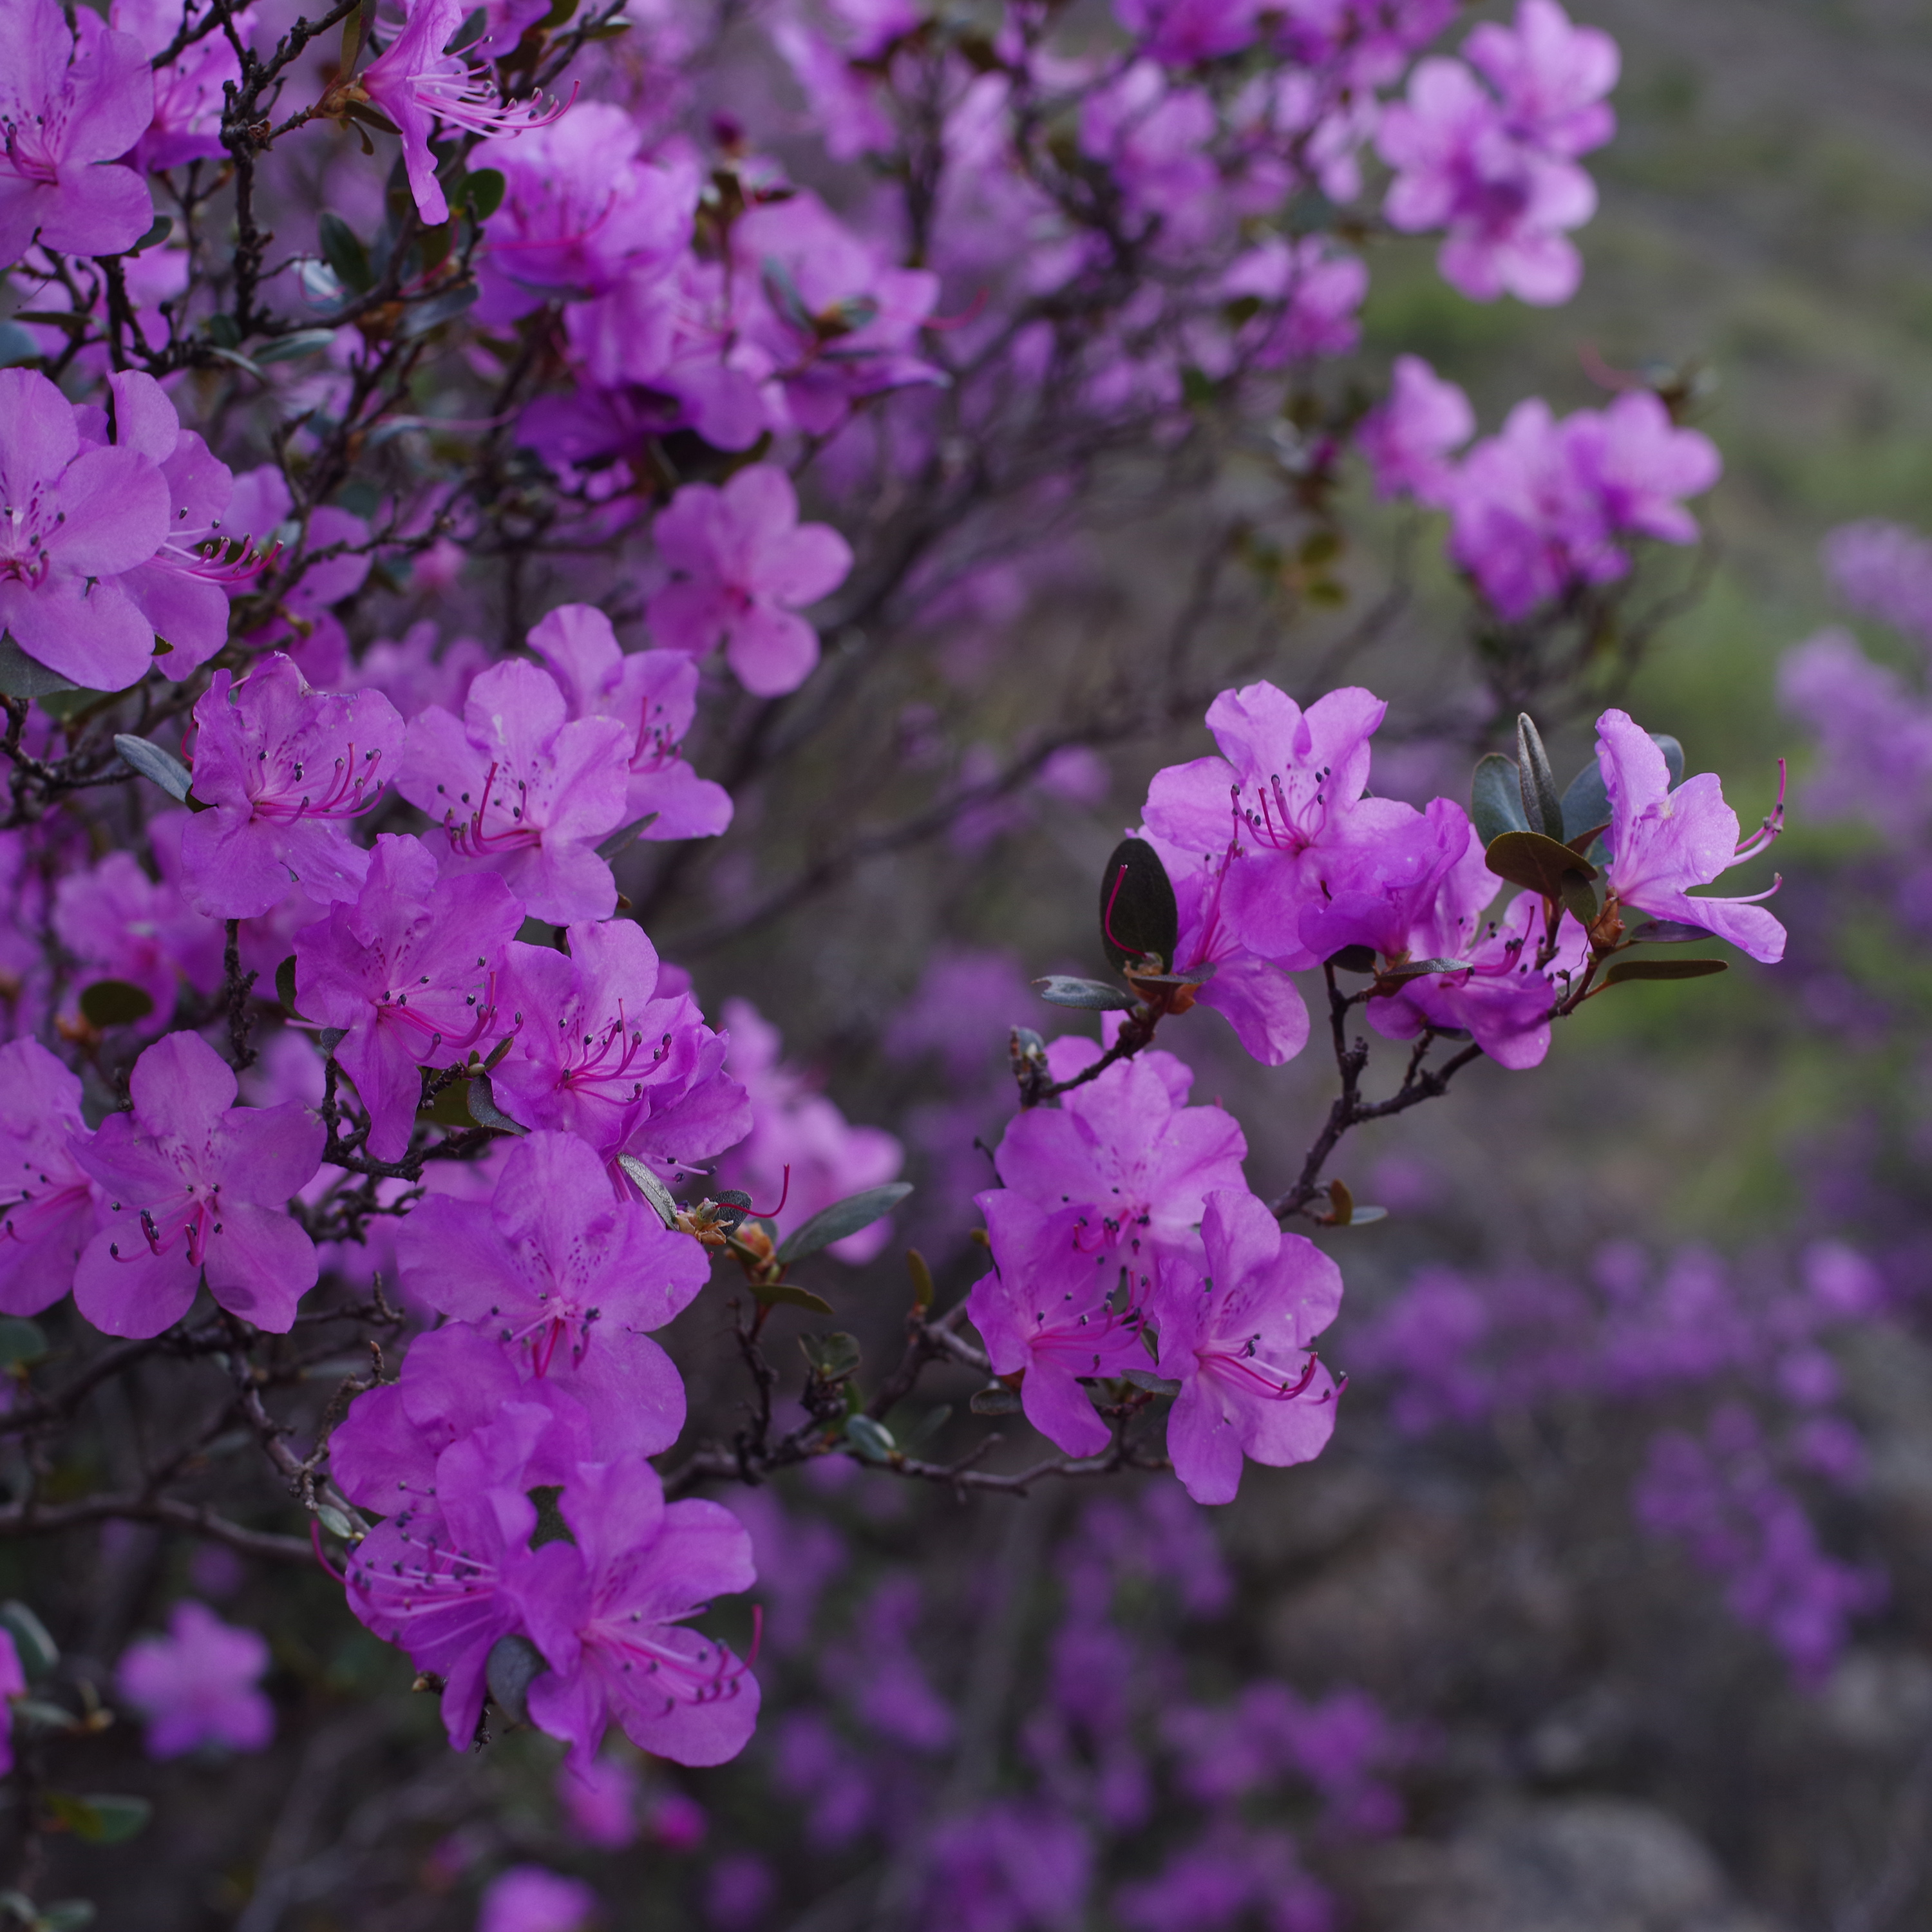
<point x="872" y="1440"/>
<point x="108" y="1003"/>
<point x="1542" y="809"/>
<point x="1095" y="996"/>
<point x="842" y="1218"/>
<point x="995" y="1398"/>
<point x="514" y="1664"/>
<point x="1539" y="864"/>
<point x="38" y="1652"/>
<point x="484" y="1110"/>
<point x="1139" y="918"/>
<point x="1495" y="799"/>
<point x="1625" y="970"/>
<point x="653" y="1190"/>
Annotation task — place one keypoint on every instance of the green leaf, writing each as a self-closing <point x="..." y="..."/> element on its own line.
<point x="38" y="1651"/>
<point x="108" y="1003"/>
<point x="100" y="1820"/>
<point x="1665" y="932"/>
<point x="1586" y="804"/>
<point x="1354" y="959"/>
<point x="1138" y="917"/>
<point x="419" y="318"/>
<point x="343" y="249"/>
<point x="1496" y="798"/>
<point x="833" y="1357"/>
<point x="17" y="346"/>
<point x="484" y="1110"/>
<point x="469" y="33"/>
<point x="608" y="848"/>
<point x="22" y="676"/>
<point x="922" y="1279"/>
<point x="1580" y="896"/>
<point x="1154" y="1384"/>
<point x="788" y="1293"/>
<point x="1529" y="860"/>
<point x="514" y="1664"/>
<point x="21" y="1341"/>
<point x="872" y="1440"/>
<point x="42" y="1715"/>
<point x="163" y="226"/>
<point x="995" y="1398"/>
<point x="1361" y="1215"/>
<point x="163" y="768"/>
<point x="336" y="1522"/>
<point x="285" y="986"/>
<point x="1420" y="969"/>
<point x="1542" y="809"/>
<point x="486" y="189"/>
<point x="288" y="348"/>
<point x="65" y="1914"/>
<point x="1626" y="970"/>
<point x="653" y="1190"/>
<point x="354" y="35"/>
<point x="1095" y="996"/>
<point x="843" y="1218"/>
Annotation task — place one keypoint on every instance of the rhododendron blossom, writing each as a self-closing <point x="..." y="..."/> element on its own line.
<point x="197" y="1685"/>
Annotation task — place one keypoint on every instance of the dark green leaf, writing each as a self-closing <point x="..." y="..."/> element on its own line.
<point x="17" y="346"/>
<point x="336" y="1522"/>
<point x="1354" y="959"/>
<point x="285" y="986"/>
<point x="782" y="292"/>
<point x="928" y="1427"/>
<point x="222" y="331"/>
<point x="1580" y="896"/>
<point x="1138" y="917"/>
<point x="484" y="1110"/>
<point x="1154" y="1384"/>
<point x="1496" y="798"/>
<point x="1420" y="969"/>
<point x="162" y="227"/>
<point x="772" y="1293"/>
<point x="1673" y="756"/>
<point x="995" y="1398"/>
<point x="163" y="768"/>
<point x="289" y="348"/>
<point x="515" y="1663"/>
<point x="1625" y="970"/>
<point x="922" y="1279"/>
<point x="1542" y="809"/>
<point x="843" y="1218"/>
<point x="487" y="187"/>
<point x="74" y="321"/>
<point x="833" y="1357"/>
<point x="20" y="1341"/>
<point x="1527" y="859"/>
<point x="38" y="1651"/>
<point x="469" y="33"/>
<point x="653" y="1190"/>
<point x="1586" y="804"/>
<point x="354" y="33"/>
<point x="110" y="1002"/>
<point x="22" y="676"/>
<point x="872" y="1440"/>
<point x="43" y="1716"/>
<point x="1096" y="996"/>
<point x="420" y="317"/>
<point x="1361" y="1215"/>
<point x="343" y="249"/>
<point x="100" y="1821"/>
<point x="65" y="1914"/>
<point x="1665" y="932"/>
<point x="1195" y="976"/>
<point x="608" y="848"/>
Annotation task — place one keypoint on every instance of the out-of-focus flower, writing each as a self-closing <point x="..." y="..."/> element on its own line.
<point x="198" y="1684"/>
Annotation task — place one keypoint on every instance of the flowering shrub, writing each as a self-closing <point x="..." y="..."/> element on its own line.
<point x="485" y="493"/>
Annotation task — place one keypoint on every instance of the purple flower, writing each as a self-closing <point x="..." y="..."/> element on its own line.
<point x="195" y="1184"/>
<point x="599" y="1802"/>
<point x="1662" y="842"/>
<point x="1420" y="873"/>
<point x="603" y="1054"/>
<point x="1287" y="789"/>
<point x="12" y="1683"/>
<point x="581" y="212"/>
<point x="610" y="1613"/>
<point x="568" y="1279"/>
<point x="1552" y="76"/>
<point x="48" y="1211"/>
<point x="1874" y="732"/>
<point x="518" y="791"/>
<point x="188" y="92"/>
<point x="1254" y="995"/>
<point x="527" y="1898"/>
<point x="1125" y="1153"/>
<point x="795" y="1127"/>
<point x="653" y="695"/>
<point x="1309" y="290"/>
<point x="72" y="101"/>
<point x="1183" y="33"/>
<point x="1157" y="139"/>
<point x="1237" y="1341"/>
<point x="197" y="1685"/>
<point x="745" y="565"/>
<point x="1883" y="571"/>
<point x="179" y="590"/>
<point x="1407" y="438"/>
<point x="1048" y="1309"/>
<point x="71" y="522"/>
<point x="417" y="85"/>
<point x="283" y="767"/>
<point x="1009" y="1866"/>
<point x="410" y="971"/>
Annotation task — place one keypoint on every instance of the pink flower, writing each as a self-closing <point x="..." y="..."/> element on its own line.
<point x="794" y="1126"/>
<point x="410" y="971"/>
<point x="48" y="1208"/>
<point x="1124" y="1153"/>
<point x="567" y="1279"/>
<point x="518" y="791"/>
<point x="1662" y="842"/>
<point x="284" y="767"/>
<point x="1237" y="1340"/>
<point x="72" y="100"/>
<point x="653" y="695"/>
<point x="1309" y="291"/>
<point x="1407" y="438"/>
<point x="72" y="521"/>
<point x="189" y="92"/>
<point x="745" y="565"/>
<point x="527" y="1898"/>
<point x="608" y="1613"/>
<point x="1182" y="33"/>
<point x="599" y="1802"/>
<point x="197" y="1685"/>
<point x="1048" y="1309"/>
<point x="195" y="1184"/>
<point x="417" y="85"/>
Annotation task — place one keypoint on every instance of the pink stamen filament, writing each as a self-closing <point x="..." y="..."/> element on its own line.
<point x="1270" y="1386"/>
